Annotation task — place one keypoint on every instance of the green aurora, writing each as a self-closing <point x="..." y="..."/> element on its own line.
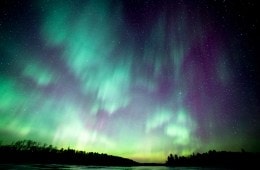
<point x="138" y="79"/>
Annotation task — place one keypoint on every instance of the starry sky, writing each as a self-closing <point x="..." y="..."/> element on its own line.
<point x="136" y="78"/>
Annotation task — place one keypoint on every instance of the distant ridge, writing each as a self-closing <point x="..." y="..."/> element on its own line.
<point x="31" y="152"/>
<point x="213" y="158"/>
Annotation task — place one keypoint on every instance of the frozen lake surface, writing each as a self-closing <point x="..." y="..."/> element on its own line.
<point x="81" y="167"/>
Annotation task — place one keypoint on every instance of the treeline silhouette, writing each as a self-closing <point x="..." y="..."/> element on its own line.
<point x="213" y="158"/>
<point x="31" y="152"/>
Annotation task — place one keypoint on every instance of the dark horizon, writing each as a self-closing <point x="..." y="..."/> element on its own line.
<point x="32" y="152"/>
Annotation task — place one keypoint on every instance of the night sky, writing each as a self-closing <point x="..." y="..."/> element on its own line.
<point x="138" y="79"/>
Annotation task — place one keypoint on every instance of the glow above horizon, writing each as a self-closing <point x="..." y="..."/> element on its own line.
<point x="93" y="76"/>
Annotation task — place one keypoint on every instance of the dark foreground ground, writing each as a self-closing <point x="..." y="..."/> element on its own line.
<point x="232" y="160"/>
<point x="27" y="152"/>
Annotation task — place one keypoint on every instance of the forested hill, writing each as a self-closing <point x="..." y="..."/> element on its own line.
<point x="28" y="151"/>
<point x="213" y="158"/>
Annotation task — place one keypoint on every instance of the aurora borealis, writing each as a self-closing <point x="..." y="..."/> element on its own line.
<point x="138" y="79"/>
